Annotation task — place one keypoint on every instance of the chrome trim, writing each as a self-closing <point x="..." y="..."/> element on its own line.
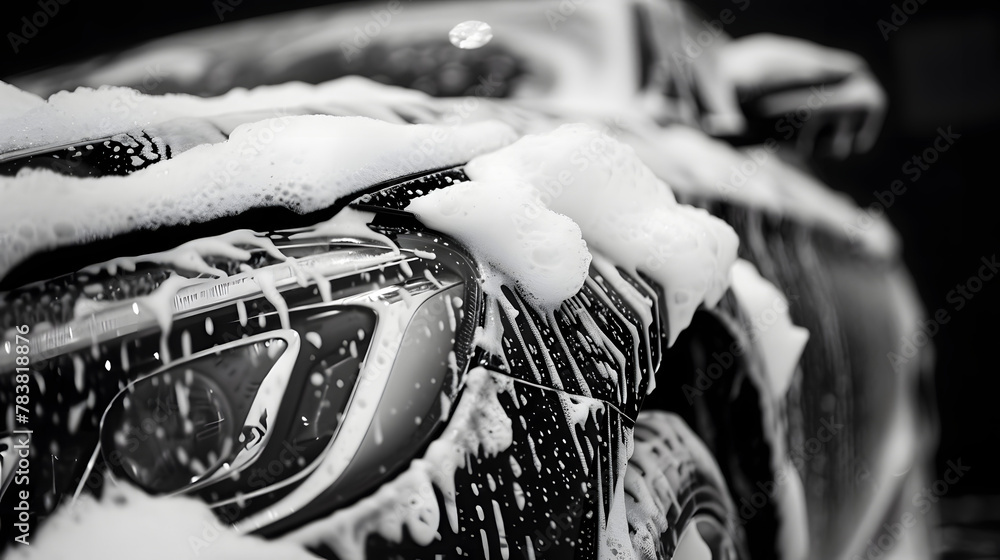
<point x="390" y="306"/>
<point x="131" y="316"/>
<point x="268" y="397"/>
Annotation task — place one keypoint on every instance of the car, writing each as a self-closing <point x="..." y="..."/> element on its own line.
<point x="289" y="377"/>
<point x="617" y="416"/>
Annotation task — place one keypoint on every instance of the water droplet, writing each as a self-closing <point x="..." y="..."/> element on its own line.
<point x="470" y="34"/>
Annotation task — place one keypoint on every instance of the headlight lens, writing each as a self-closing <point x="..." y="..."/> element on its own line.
<point x="176" y="427"/>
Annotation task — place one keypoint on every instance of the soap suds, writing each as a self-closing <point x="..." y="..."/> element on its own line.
<point x="479" y="425"/>
<point x="707" y="168"/>
<point x="15" y="102"/>
<point x="778" y="342"/>
<point x="540" y="252"/>
<point x="142" y="526"/>
<point x="302" y="163"/>
<point x="86" y="113"/>
<point x="190" y="256"/>
<point x="620" y="207"/>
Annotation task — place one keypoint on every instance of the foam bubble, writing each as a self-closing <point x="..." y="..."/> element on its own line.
<point x="141" y="526"/>
<point x="622" y="210"/>
<point x="304" y="163"/>
<point x="87" y="113"/>
<point x="706" y="168"/>
<point x="778" y="340"/>
<point x="522" y="243"/>
<point x="478" y="427"/>
<point x="14" y="102"/>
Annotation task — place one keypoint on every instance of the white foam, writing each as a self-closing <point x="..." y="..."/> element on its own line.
<point x="778" y="341"/>
<point x="303" y="163"/>
<point x="793" y="535"/>
<point x="621" y="208"/>
<point x="613" y="541"/>
<point x="521" y="243"/>
<point x="87" y="113"/>
<point x="691" y="545"/>
<point x="191" y="256"/>
<point x="779" y="344"/>
<point x="127" y="523"/>
<point x="479" y="426"/>
<point x="695" y="164"/>
<point x="14" y="102"/>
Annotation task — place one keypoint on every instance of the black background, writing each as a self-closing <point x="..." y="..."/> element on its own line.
<point x="941" y="68"/>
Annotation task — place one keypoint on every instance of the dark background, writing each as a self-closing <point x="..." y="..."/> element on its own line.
<point x="941" y="68"/>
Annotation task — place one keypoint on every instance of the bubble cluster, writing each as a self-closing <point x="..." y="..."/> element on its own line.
<point x="535" y="209"/>
<point x="303" y="163"/>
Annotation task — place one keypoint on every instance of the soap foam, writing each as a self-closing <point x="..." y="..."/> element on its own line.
<point x="705" y="168"/>
<point x="87" y="113"/>
<point x="14" y="102"/>
<point x="622" y="210"/>
<point x="304" y="163"/>
<point x="479" y="427"/>
<point x="778" y="341"/>
<point x="778" y="344"/>
<point x="127" y="523"/>
<point x="540" y="252"/>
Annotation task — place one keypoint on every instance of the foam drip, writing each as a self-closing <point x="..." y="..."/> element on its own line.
<point x="542" y="184"/>
<point x="479" y="425"/>
<point x="779" y="342"/>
